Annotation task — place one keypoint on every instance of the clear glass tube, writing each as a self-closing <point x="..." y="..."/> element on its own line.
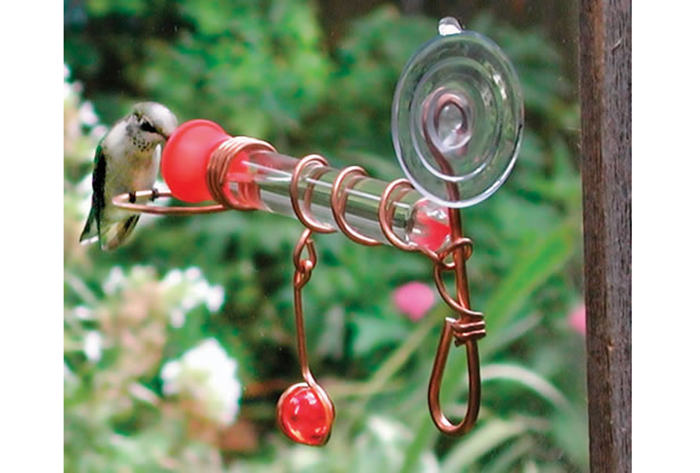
<point x="262" y="179"/>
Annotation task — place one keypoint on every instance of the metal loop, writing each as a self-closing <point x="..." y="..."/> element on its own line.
<point x="385" y="221"/>
<point x="218" y="166"/>
<point x="294" y="194"/>
<point x="454" y="305"/>
<point x="338" y="202"/>
<point x="460" y="242"/>
<point x="439" y="419"/>
<point x="304" y="266"/>
<point x="386" y="217"/>
<point x="122" y="201"/>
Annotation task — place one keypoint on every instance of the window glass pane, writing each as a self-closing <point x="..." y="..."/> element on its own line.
<point x="179" y="342"/>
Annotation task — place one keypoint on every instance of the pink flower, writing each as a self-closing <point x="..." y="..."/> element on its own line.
<point x="414" y="299"/>
<point x="577" y="319"/>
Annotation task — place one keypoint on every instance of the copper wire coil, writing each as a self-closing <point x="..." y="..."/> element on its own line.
<point x="303" y="213"/>
<point x="386" y="217"/>
<point x="338" y="202"/>
<point x="218" y="166"/>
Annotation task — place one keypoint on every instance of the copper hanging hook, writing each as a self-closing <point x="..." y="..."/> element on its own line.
<point x="441" y="421"/>
<point x="470" y="326"/>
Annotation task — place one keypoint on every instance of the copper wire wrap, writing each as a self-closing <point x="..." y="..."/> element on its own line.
<point x="465" y="330"/>
<point x="219" y="164"/>
<point x="303" y="208"/>
<point x="338" y="201"/>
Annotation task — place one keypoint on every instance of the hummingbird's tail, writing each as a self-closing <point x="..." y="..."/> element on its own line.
<point x="110" y="235"/>
<point x="89" y="234"/>
<point x="115" y="234"/>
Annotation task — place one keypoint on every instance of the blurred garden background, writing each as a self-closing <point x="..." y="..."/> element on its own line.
<point x="178" y="345"/>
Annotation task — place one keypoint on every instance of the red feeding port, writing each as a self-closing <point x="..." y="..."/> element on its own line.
<point x="185" y="159"/>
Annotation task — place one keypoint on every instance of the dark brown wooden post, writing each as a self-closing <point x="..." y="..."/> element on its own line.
<point x="606" y="166"/>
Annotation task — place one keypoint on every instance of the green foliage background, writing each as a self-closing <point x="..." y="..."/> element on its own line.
<point x="267" y="69"/>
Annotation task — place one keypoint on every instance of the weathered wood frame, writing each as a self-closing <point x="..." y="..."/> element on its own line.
<point x="606" y="163"/>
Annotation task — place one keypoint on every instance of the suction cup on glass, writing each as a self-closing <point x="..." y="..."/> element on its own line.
<point x="457" y="117"/>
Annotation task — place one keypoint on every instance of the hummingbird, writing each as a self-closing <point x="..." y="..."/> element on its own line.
<point x="126" y="161"/>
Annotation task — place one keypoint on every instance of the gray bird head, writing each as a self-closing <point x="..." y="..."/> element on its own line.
<point x="154" y="119"/>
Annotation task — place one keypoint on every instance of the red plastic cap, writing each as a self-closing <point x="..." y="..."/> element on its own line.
<point x="185" y="159"/>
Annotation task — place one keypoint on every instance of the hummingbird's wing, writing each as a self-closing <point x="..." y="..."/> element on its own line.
<point x="111" y="234"/>
<point x="92" y="226"/>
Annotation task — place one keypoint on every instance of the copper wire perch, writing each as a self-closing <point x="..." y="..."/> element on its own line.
<point x="465" y="330"/>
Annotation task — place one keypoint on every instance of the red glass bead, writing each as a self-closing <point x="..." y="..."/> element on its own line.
<point x="303" y="417"/>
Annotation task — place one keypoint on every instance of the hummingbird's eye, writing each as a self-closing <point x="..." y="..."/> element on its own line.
<point x="145" y="125"/>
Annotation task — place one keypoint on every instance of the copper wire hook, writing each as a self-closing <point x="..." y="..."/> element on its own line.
<point x="441" y="421"/>
<point x="470" y="325"/>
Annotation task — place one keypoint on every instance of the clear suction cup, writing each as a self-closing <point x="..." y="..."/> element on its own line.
<point x="457" y="117"/>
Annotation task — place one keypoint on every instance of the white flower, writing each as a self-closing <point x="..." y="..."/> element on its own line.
<point x="115" y="280"/>
<point x="215" y="298"/>
<point x="82" y="313"/>
<point x="92" y="346"/>
<point x="173" y="278"/>
<point x="177" y="318"/>
<point x="98" y="131"/>
<point x="206" y="375"/>
<point x="67" y="91"/>
<point x="87" y="115"/>
<point x="193" y="274"/>
<point x="192" y="290"/>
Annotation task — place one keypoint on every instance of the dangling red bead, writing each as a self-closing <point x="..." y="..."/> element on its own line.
<point x="304" y="416"/>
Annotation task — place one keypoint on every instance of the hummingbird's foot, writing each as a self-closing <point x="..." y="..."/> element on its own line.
<point x="155" y="193"/>
<point x="132" y="197"/>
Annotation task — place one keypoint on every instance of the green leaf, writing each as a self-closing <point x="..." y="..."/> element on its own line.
<point x="538" y="261"/>
<point x="527" y="378"/>
<point x="372" y="333"/>
<point x="480" y="442"/>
